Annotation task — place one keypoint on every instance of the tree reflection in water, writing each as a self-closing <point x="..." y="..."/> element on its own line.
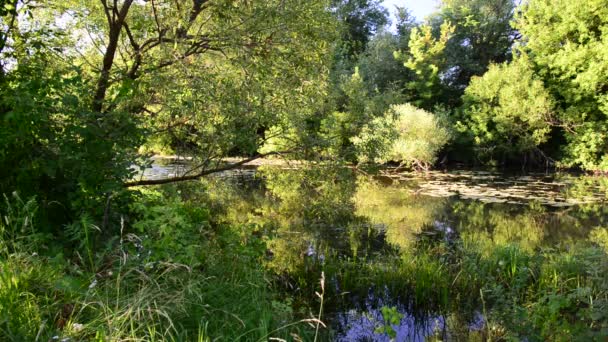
<point x="386" y="245"/>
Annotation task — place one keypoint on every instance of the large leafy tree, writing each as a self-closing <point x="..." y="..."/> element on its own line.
<point x="57" y="146"/>
<point x="86" y="83"/>
<point x="508" y="111"/>
<point x="353" y="67"/>
<point x="426" y="59"/>
<point x="360" y="20"/>
<point x="482" y="35"/>
<point x="568" y="44"/>
<point x="378" y="67"/>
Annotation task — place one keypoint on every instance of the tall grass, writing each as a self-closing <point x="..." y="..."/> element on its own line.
<point x="192" y="279"/>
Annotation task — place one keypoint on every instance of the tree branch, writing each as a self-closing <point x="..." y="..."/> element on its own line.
<point x="115" y="25"/>
<point x="160" y="32"/>
<point x="136" y="51"/>
<point x="197" y="8"/>
<point x="200" y="174"/>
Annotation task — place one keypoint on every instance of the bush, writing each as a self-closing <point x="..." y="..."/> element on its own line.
<point x="508" y="111"/>
<point x="405" y="134"/>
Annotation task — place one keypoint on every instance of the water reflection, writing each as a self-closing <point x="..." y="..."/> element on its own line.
<point x="555" y="190"/>
<point x="368" y="235"/>
<point x="362" y="324"/>
<point x="399" y="241"/>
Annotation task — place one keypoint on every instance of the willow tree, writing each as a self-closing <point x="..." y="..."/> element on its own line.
<point x="213" y="76"/>
<point x="86" y="83"/>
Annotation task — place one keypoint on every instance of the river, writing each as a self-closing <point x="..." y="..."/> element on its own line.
<point x="404" y="241"/>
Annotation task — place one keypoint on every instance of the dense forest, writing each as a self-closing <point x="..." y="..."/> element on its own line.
<point x="92" y="91"/>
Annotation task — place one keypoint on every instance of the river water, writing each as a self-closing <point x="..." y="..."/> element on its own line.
<point x="384" y="241"/>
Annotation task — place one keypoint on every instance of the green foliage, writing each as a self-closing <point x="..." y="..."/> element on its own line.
<point x="172" y="276"/>
<point x="359" y="19"/>
<point x="30" y="297"/>
<point x="600" y="236"/>
<point x="567" y="44"/>
<point x="362" y="106"/>
<point x="391" y="317"/>
<point x="482" y="35"/>
<point x="86" y="88"/>
<point x="378" y="66"/>
<point x="426" y="59"/>
<point x="405" y="134"/>
<point x="339" y="126"/>
<point x="71" y="127"/>
<point x="17" y="230"/>
<point x="508" y="111"/>
<point x="553" y="295"/>
<point x="173" y="229"/>
<point x="56" y="150"/>
<point x="376" y="139"/>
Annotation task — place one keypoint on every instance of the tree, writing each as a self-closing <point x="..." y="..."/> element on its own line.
<point x="482" y="35"/>
<point x="406" y="134"/>
<point x="426" y="59"/>
<point x="568" y="47"/>
<point x="378" y="66"/>
<point x="406" y="22"/>
<point x="340" y="125"/>
<point x="361" y="106"/>
<point x="59" y="149"/>
<point x="360" y="19"/>
<point x="82" y="93"/>
<point x="507" y="111"/>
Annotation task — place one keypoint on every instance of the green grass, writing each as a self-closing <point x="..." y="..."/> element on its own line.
<point x="173" y="275"/>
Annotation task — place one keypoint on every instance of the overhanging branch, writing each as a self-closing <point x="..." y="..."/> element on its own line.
<point x="200" y="174"/>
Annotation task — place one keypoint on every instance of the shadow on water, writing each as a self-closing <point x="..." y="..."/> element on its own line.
<point x="410" y="243"/>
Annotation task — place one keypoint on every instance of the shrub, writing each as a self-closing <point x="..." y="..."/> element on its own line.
<point x="508" y="110"/>
<point x="405" y="134"/>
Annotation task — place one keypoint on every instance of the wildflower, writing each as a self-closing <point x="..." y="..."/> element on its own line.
<point x="77" y="327"/>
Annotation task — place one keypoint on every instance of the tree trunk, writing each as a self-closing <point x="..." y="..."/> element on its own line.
<point x="115" y="21"/>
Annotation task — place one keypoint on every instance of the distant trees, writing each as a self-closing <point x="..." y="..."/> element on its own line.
<point x="520" y="82"/>
<point x="360" y="20"/>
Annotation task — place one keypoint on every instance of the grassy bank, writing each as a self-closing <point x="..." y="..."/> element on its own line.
<point x="173" y="274"/>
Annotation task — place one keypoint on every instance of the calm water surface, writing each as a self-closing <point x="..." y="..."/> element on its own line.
<point x="355" y="228"/>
